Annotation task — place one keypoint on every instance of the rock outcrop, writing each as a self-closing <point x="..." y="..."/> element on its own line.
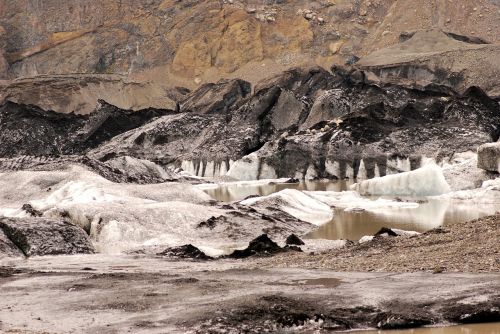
<point x="38" y="236"/>
<point x="187" y="43"/>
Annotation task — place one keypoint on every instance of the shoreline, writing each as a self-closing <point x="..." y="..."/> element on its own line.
<point x="472" y="247"/>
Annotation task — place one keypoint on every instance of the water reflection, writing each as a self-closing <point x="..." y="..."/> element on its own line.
<point x="353" y="225"/>
<point x="493" y="328"/>
<point x="238" y="192"/>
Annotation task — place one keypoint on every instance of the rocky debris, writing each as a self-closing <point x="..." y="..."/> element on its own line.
<point x="292" y="239"/>
<point x="211" y="222"/>
<point x="107" y="121"/>
<point x="464" y="247"/>
<point x="185" y="252"/>
<point x="311" y="16"/>
<point x="216" y="98"/>
<point x="31" y="210"/>
<point x="38" y="236"/>
<point x="488" y="157"/>
<point x="261" y="246"/>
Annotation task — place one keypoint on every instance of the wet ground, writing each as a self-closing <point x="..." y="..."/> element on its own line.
<point x="493" y="328"/>
<point x="120" y="294"/>
<point x="352" y="225"/>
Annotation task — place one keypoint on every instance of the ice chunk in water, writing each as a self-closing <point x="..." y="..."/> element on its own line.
<point x="425" y="181"/>
<point x="297" y="204"/>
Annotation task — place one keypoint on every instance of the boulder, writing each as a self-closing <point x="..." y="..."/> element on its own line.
<point x="488" y="157"/>
<point x="185" y="252"/>
<point x="38" y="236"/>
<point x="260" y="246"/>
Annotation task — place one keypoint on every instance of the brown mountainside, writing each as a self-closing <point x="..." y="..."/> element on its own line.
<point x="168" y="43"/>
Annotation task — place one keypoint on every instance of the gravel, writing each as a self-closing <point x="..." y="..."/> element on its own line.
<point x="472" y="247"/>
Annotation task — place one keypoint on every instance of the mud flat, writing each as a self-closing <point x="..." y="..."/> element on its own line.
<point x="119" y="294"/>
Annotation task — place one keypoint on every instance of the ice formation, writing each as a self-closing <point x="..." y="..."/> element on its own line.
<point x="425" y="181"/>
<point x="118" y="216"/>
<point x="250" y="168"/>
<point x="351" y="200"/>
<point x="297" y="204"/>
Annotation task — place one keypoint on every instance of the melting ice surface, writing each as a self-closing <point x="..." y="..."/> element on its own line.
<point x="424" y="202"/>
<point x="122" y="217"/>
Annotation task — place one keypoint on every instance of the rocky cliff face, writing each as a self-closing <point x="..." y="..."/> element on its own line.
<point x="167" y="43"/>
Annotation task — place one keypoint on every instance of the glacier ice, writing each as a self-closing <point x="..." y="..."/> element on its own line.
<point x="249" y="168"/>
<point x="296" y="203"/>
<point x="425" y="181"/>
<point x="351" y="201"/>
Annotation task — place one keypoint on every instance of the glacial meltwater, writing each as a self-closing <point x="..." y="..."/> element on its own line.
<point x="351" y="224"/>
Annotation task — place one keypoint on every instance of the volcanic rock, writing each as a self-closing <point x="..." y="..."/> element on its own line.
<point x="185" y="252"/>
<point x="260" y="246"/>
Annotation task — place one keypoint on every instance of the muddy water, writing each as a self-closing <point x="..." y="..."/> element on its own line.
<point x="493" y="328"/>
<point x="353" y="225"/>
<point x="239" y="192"/>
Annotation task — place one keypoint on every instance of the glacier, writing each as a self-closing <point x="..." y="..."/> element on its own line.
<point x="425" y="181"/>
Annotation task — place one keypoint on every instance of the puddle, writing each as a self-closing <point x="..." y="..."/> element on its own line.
<point x="353" y="225"/>
<point x="324" y="281"/>
<point x="493" y="328"/>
